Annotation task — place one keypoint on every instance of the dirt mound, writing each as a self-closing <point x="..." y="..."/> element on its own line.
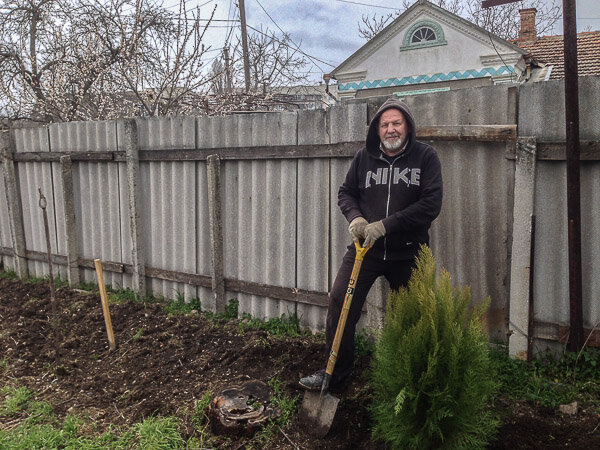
<point x="164" y="364"/>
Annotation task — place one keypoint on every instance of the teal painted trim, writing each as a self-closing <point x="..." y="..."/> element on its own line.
<point x="407" y="43"/>
<point x="437" y="77"/>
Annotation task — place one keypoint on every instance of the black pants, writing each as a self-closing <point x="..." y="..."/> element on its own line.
<point x="396" y="272"/>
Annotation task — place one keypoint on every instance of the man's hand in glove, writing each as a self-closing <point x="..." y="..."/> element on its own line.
<point x="357" y="228"/>
<point x="373" y="231"/>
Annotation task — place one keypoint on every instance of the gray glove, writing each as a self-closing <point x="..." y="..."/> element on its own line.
<point x="357" y="228"/>
<point x="372" y="232"/>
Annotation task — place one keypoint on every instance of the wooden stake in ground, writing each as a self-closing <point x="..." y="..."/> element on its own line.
<point x="43" y="204"/>
<point x="105" y="310"/>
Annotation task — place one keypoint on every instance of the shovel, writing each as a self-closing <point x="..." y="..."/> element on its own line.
<point x="318" y="409"/>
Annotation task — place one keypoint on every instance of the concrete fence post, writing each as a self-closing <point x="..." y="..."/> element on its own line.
<point x="70" y="221"/>
<point x="138" y="253"/>
<point x="13" y="200"/>
<point x="524" y="200"/>
<point x="216" y="232"/>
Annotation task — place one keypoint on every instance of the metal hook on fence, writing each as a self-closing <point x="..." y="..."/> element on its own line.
<point x="42" y="202"/>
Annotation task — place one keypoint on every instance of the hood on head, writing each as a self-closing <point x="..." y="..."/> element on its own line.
<point x="373" y="140"/>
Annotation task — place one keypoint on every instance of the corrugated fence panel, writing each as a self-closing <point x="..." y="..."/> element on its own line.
<point x="169" y="203"/>
<point x="273" y="189"/>
<point x="489" y="105"/>
<point x="96" y="188"/>
<point x="469" y="236"/>
<point x="33" y="176"/>
<point x="312" y="252"/>
<point x="590" y="237"/>
<point x="259" y="218"/>
<point x="541" y="113"/>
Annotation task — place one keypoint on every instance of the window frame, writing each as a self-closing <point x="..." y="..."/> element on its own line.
<point x="407" y="43"/>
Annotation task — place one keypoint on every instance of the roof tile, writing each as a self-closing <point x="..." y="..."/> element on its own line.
<point x="550" y="50"/>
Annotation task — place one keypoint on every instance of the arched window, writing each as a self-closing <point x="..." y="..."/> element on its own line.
<point x="424" y="33"/>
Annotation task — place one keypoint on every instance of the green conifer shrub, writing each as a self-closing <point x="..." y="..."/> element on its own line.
<point x="432" y="375"/>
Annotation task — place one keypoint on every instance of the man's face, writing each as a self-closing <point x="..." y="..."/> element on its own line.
<point x="393" y="131"/>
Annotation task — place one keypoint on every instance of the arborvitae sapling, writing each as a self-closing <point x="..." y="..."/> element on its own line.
<point x="432" y="375"/>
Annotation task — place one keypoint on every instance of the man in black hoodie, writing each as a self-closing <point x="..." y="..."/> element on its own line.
<point x="391" y="194"/>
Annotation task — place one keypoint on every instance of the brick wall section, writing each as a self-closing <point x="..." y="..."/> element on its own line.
<point x="527" y="32"/>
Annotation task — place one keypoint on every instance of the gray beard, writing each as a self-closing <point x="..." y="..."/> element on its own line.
<point x="392" y="145"/>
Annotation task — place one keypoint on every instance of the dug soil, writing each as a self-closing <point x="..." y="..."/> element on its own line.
<point x="164" y="364"/>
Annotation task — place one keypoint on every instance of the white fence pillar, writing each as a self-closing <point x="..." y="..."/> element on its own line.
<point x="13" y="201"/>
<point x="521" y="260"/>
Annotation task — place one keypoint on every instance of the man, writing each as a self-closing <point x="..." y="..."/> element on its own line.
<point x="391" y="194"/>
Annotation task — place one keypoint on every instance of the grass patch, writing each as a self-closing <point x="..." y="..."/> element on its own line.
<point x="42" y="430"/>
<point x="155" y="433"/>
<point x="15" y="400"/>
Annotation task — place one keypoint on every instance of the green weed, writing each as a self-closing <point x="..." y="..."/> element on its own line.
<point x="201" y="408"/>
<point x="548" y="380"/>
<point x="15" y="400"/>
<point x="138" y="334"/>
<point x="364" y="344"/>
<point x="180" y="306"/>
<point x="91" y="286"/>
<point x="9" y="274"/>
<point x="286" y="407"/>
<point x="117" y="296"/>
<point x="286" y="325"/>
<point x="201" y="424"/>
<point x="231" y="312"/>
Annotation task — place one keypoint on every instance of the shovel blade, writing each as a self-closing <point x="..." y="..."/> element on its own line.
<point x="318" y="411"/>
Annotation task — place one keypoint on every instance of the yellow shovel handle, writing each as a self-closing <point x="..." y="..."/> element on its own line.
<point x="360" y="254"/>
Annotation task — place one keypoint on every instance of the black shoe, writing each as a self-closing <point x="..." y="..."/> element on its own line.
<point x="313" y="382"/>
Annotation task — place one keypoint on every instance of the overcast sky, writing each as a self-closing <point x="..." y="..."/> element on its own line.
<point x="327" y="30"/>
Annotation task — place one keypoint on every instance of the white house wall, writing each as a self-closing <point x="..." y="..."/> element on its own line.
<point x="469" y="52"/>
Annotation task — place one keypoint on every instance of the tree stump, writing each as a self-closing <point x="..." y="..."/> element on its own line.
<point x="241" y="410"/>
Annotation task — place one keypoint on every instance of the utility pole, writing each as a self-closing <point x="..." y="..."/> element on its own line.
<point x="242" y="7"/>
<point x="573" y="179"/>
<point x="227" y="70"/>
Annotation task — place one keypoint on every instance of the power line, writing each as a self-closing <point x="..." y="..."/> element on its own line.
<point x="297" y="46"/>
<point x="235" y="14"/>
<point x="287" y="45"/>
<point x="367" y="4"/>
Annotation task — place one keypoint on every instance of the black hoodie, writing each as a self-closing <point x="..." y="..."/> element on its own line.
<point x="406" y="193"/>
